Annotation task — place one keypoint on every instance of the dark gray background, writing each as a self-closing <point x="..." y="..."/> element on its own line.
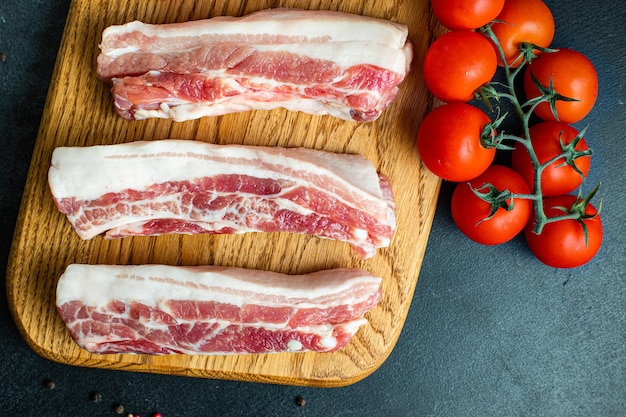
<point x="491" y="331"/>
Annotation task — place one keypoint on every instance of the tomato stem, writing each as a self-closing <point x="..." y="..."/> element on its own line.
<point x="523" y="58"/>
<point x="524" y="112"/>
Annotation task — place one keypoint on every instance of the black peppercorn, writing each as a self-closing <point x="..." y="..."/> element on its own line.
<point x="96" y="397"/>
<point x="50" y="385"/>
<point x="119" y="409"/>
<point x="300" y="402"/>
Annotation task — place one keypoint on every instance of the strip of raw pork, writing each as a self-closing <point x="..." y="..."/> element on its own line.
<point x="317" y="62"/>
<point x="158" y="309"/>
<point x="183" y="186"/>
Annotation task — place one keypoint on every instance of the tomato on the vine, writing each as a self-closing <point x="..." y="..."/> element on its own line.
<point x="529" y="21"/>
<point x="458" y="63"/>
<point x="562" y="244"/>
<point x="449" y="142"/>
<point x="557" y="178"/>
<point x="572" y="75"/>
<point x="466" y="14"/>
<point x="478" y="219"/>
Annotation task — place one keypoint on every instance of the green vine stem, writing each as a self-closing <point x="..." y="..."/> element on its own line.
<point x="524" y="112"/>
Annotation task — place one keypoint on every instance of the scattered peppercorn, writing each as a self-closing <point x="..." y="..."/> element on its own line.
<point x="96" y="397"/>
<point x="300" y="401"/>
<point x="119" y="409"/>
<point x="3" y="57"/>
<point x="50" y="385"/>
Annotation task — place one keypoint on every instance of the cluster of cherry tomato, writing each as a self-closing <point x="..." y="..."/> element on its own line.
<point x="457" y="141"/>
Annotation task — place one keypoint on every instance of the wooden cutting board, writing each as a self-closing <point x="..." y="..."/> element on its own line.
<point x="79" y="112"/>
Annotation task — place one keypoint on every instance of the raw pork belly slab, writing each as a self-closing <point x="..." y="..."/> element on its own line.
<point x="317" y="62"/>
<point x="184" y="186"/>
<point x="157" y="309"/>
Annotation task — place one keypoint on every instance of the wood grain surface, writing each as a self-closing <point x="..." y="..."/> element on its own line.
<point x="79" y="112"/>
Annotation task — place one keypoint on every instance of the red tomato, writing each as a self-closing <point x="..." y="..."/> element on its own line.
<point x="449" y="142"/>
<point x="470" y="213"/>
<point x="528" y="21"/>
<point x="466" y="14"/>
<point x="457" y="64"/>
<point x="561" y="244"/>
<point x="556" y="179"/>
<point x="573" y="76"/>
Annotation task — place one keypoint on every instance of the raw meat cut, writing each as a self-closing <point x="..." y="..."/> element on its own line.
<point x="190" y="187"/>
<point x="318" y="62"/>
<point x="158" y="309"/>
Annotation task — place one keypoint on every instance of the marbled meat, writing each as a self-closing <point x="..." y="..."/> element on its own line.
<point x="158" y="309"/>
<point x="317" y="62"/>
<point x="190" y="187"/>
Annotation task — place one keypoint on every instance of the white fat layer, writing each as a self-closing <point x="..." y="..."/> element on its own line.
<point x="114" y="53"/>
<point x="97" y="285"/>
<point x="360" y="233"/>
<point x="294" y="346"/>
<point x="344" y="55"/>
<point x="90" y="172"/>
<point x="191" y="111"/>
<point x="336" y="27"/>
<point x="328" y="342"/>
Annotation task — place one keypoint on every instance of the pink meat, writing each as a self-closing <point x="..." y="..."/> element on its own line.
<point x="190" y="187"/>
<point x="157" y="309"/>
<point x="268" y="59"/>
